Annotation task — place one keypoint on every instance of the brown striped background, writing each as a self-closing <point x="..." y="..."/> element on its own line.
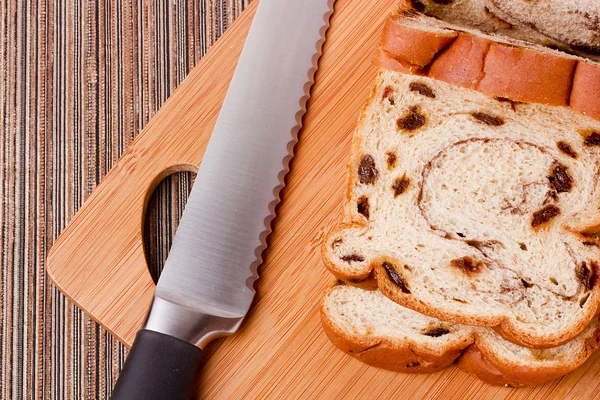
<point x="79" y="79"/>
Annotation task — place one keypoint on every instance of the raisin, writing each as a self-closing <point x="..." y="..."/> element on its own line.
<point x="488" y="119"/>
<point x="523" y="246"/>
<point x="413" y="364"/>
<point x="437" y="332"/>
<point x="367" y="171"/>
<point x="560" y="179"/>
<point x="443" y="2"/>
<point x="391" y="159"/>
<point x="400" y="185"/>
<point x="395" y="277"/>
<point x="387" y="92"/>
<point x="412" y="121"/>
<point x="590" y="243"/>
<point x="593" y="139"/>
<point x="467" y="264"/>
<point x="422" y="89"/>
<point x="567" y="149"/>
<point x="363" y="206"/>
<point x="417" y="5"/>
<point x="544" y="215"/>
<point x="353" y="257"/>
<point x="585" y="275"/>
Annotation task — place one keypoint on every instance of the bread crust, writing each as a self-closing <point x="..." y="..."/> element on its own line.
<point x="586" y="87"/>
<point x="450" y="66"/>
<point x="416" y="46"/>
<point x="525" y="75"/>
<point x="384" y="60"/>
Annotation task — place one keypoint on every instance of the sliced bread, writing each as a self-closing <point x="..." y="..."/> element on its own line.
<point x="379" y="332"/>
<point x="474" y="209"/>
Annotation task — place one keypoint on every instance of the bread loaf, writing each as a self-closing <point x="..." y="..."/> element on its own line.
<point x="379" y="332"/>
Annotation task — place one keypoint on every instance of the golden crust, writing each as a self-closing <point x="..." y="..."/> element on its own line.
<point x="526" y="75"/>
<point x="586" y="86"/>
<point x="416" y="46"/>
<point x="384" y="60"/>
<point x="449" y="67"/>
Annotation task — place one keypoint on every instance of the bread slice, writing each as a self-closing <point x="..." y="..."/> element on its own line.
<point x="572" y="26"/>
<point x="473" y="209"/>
<point x="379" y="332"/>
<point x="477" y="14"/>
<point x="573" y="22"/>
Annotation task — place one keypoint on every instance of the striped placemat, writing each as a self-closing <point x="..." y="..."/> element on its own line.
<point x="78" y="81"/>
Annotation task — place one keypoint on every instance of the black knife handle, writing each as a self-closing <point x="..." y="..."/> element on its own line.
<point x="159" y="367"/>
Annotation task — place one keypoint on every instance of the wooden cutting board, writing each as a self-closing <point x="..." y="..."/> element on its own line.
<point x="280" y="351"/>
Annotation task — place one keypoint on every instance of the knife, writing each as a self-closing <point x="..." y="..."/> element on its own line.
<point x="206" y="287"/>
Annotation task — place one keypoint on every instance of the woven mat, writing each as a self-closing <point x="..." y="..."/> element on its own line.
<point x="78" y="81"/>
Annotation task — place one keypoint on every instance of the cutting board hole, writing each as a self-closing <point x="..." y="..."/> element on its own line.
<point x="163" y="212"/>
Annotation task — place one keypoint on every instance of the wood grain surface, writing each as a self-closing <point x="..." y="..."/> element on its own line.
<point x="280" y="351"/>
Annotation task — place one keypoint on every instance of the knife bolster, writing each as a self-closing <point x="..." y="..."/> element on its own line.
<point x="187" y="324"/>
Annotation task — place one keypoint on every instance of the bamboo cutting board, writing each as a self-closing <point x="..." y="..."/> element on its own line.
<point x="280" y="351"/>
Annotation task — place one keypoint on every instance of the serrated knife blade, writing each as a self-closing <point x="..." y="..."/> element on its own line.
<point x="206" y="287"/>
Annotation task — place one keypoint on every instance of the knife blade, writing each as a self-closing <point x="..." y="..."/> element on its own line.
<point x="206" y="287"/>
